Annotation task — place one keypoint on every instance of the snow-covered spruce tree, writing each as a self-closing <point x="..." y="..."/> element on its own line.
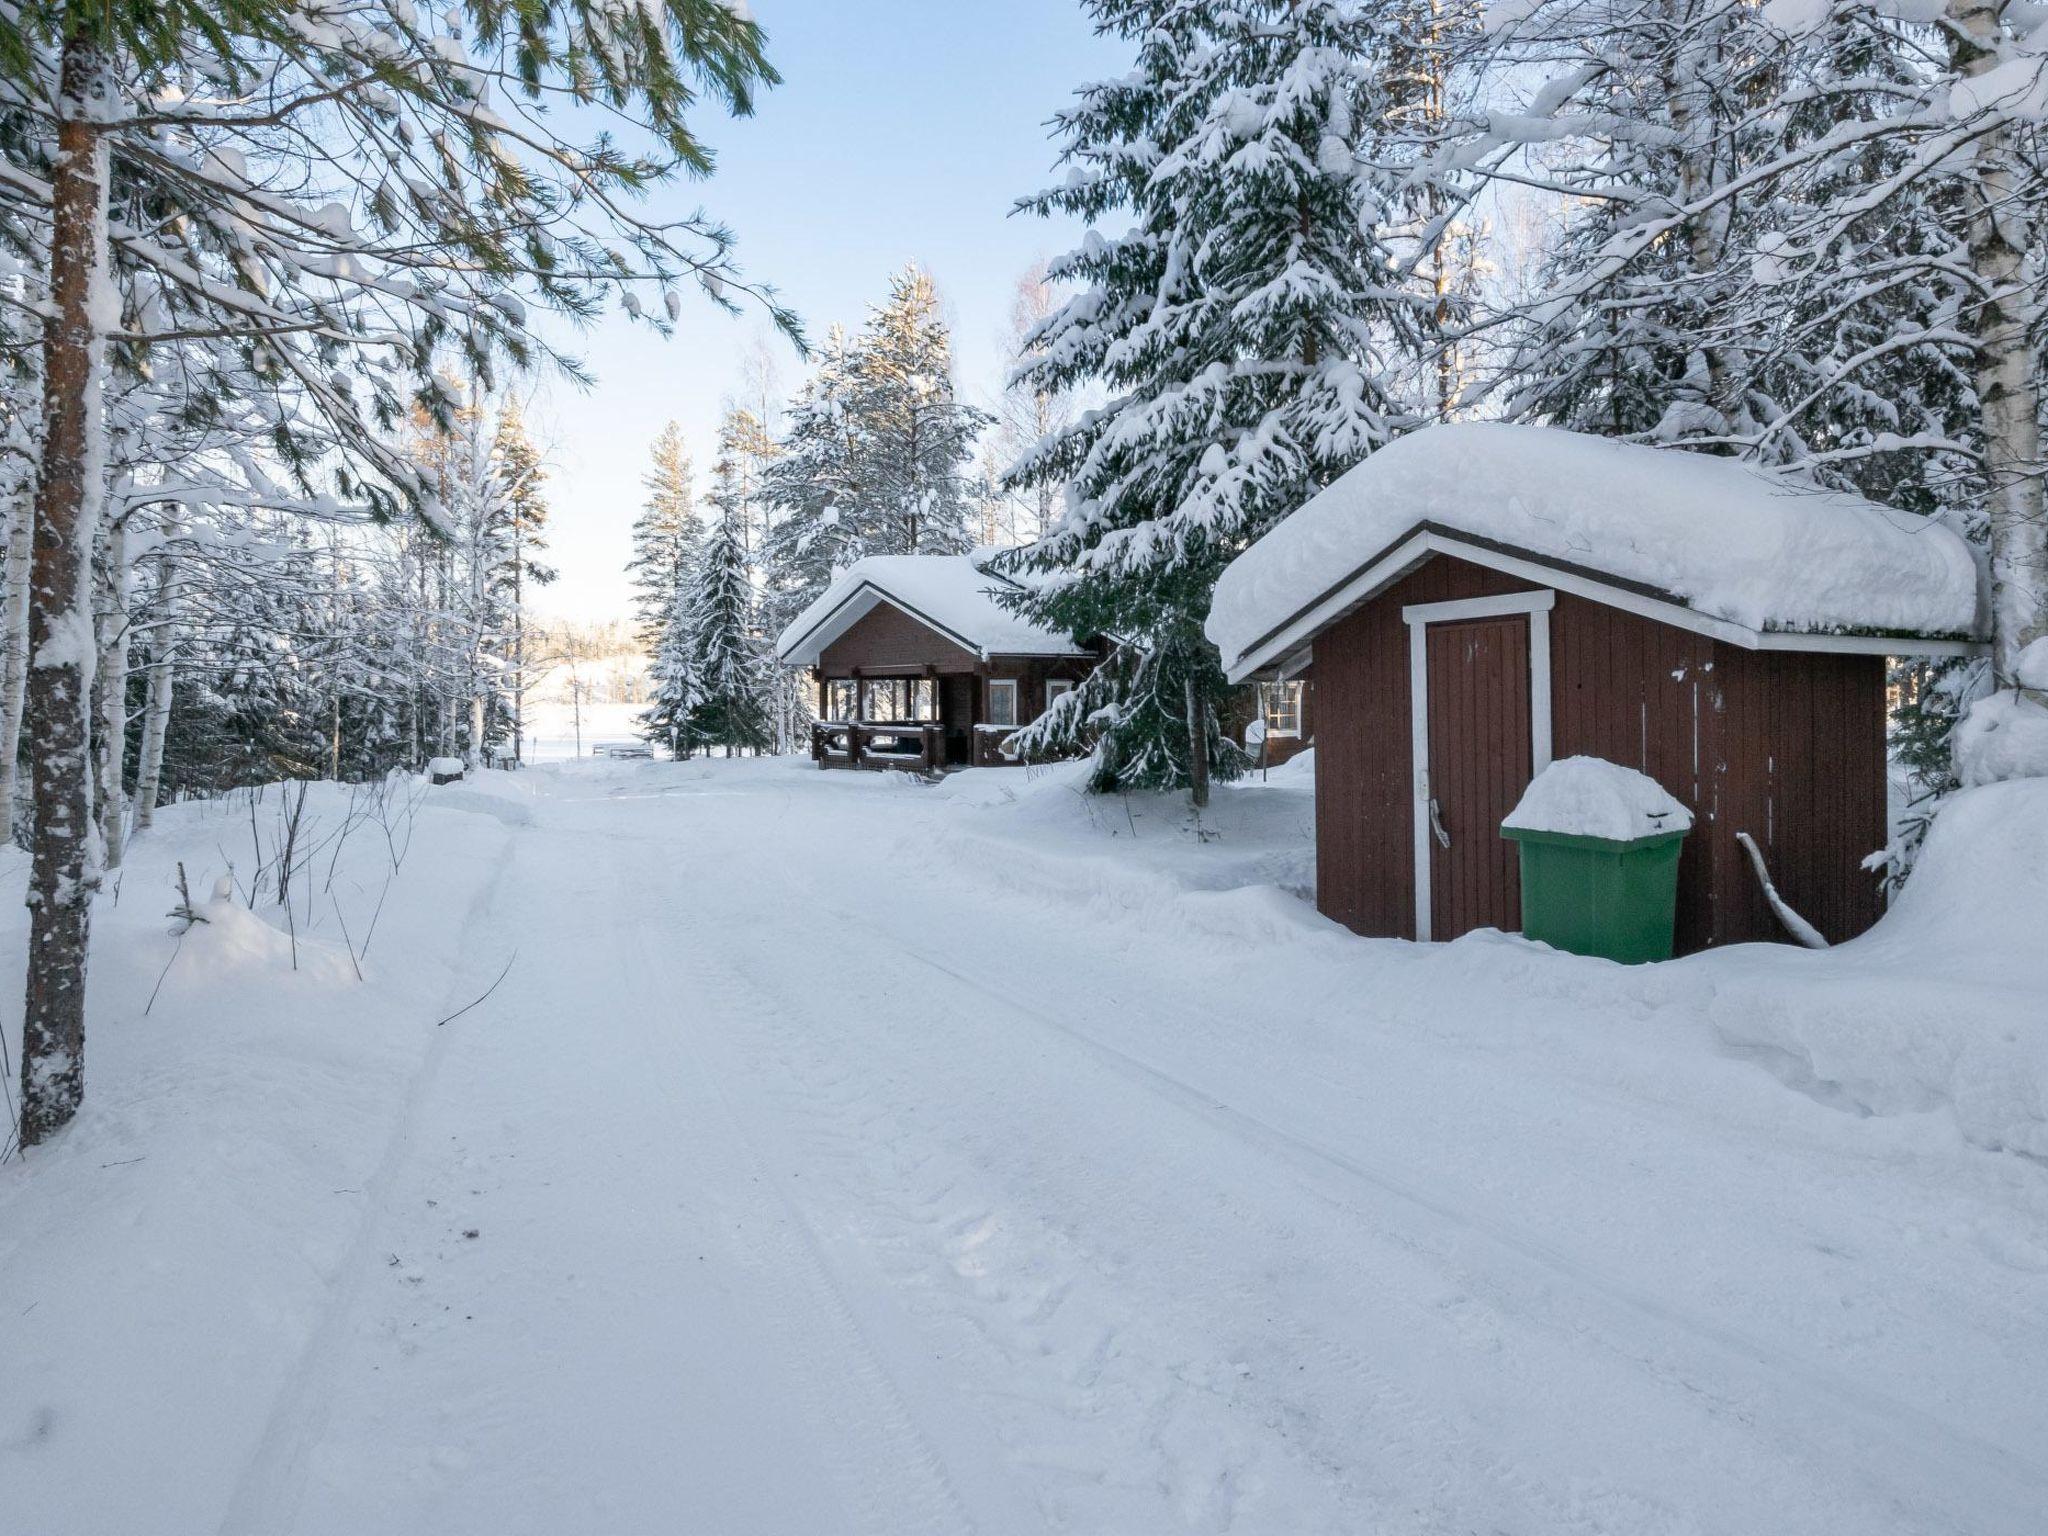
<point x="523" y="474"/>
<point x="666" y="536"/>
<point x="337" y="190"/>
<point x="822" y="517"/>
<point x="1247" y="328"/>
<point x="728" y="668"/>
<point x="918" y="434"/>
<point x="668" y="719"/>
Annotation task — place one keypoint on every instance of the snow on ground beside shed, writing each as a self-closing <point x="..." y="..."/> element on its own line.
<point x="1735" y="542"/>
<point x="1591" y="797"/>
<point x="847" y="1153"/>
<point x="1942" y="1008"/>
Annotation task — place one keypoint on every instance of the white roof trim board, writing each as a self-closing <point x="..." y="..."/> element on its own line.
<point x="949" y="594"/>
<point x="1706" y="544"/>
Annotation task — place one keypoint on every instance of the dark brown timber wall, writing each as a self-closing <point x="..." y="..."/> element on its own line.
<point x="888" y="640"/>
<point x="1786" y="746"/>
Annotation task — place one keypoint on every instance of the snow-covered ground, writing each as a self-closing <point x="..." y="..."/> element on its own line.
<point x="843" y="1154"/>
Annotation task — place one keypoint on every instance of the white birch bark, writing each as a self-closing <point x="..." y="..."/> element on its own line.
<point x="14" y="656"/>
<point x="2001" y="237"/>
<point x="110" y="687"/>
<point x="156" y="709"/>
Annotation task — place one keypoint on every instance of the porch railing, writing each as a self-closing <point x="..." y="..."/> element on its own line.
<point x="915" y="746"/>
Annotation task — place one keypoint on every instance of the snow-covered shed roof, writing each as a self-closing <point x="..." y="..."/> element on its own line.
<point x="948" y="593"/>
<point x="1709" y="544"/>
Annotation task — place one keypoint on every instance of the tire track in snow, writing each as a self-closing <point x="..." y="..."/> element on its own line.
<point x="1114" y="1408"/>
<point x="1907" y="1428"/>
<point x="274" y="1477"/>
<point x="866" y="1424"/>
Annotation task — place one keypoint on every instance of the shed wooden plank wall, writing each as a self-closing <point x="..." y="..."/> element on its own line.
<point x="1788" y="746"/>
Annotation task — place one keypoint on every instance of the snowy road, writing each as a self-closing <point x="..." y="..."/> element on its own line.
<point x="822" y="1168"/>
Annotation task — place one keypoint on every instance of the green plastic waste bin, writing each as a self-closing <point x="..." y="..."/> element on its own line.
<point x="1600" y="896"/>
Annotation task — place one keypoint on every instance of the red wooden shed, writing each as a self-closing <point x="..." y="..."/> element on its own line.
<point x="1475" y="600"/>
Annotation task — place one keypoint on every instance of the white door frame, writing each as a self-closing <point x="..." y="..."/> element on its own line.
<point x="1419" y="616"/>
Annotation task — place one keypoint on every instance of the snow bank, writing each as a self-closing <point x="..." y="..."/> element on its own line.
<point x="168" y="1259"/>
<point x="1591" y="797"/>
<point x="1735" y="542"/>
<point x="1942" y="1008"/>
<point x="952" y="591"/>
<point x="2004" y="736"/>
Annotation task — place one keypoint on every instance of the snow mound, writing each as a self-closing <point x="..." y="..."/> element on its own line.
<point x="1591" y="797"/>
<point x="2004" y="736"/>
<point x="232" y="940"/>
<point x="1730" y="540"/>
<point x="2030" y="670"/>
<point x="1942" y="1007"/>
<point x="446" y="765"/>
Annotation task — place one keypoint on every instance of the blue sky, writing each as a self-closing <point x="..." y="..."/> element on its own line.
<point x="903" y="131"/>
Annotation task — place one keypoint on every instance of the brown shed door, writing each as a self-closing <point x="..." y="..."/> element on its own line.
<point x="1479" y="764"/>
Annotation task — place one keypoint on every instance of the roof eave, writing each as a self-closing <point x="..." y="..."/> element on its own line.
<point x="1280" y="644"/>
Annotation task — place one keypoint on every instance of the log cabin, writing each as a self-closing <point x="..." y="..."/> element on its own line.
<point x="1477" y="598"/>
<point x="918" y="666"/>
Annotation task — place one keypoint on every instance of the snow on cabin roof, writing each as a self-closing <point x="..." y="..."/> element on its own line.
<point x="1704" y="542"/>
<point x="947" y="593"/>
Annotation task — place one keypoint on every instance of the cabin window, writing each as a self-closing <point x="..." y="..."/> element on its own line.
<point x="1002" y="701"/>
<point x="1280" y="703"/>
<point x="1057" y="688"/>
<point x="900" y="698"/>
<point x="842" y="698"/>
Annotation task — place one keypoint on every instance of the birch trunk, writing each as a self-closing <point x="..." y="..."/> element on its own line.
<point x="14" y="659"/>
<point x="68" y="498"/>
<point x="156" y="709"/>
<point x="2008" y="385"/>
<point x="110" y="689"/>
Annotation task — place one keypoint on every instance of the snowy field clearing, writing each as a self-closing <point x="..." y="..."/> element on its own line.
<point x="841" y="1154"/>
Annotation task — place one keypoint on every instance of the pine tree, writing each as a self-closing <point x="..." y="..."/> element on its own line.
<point x="918" y="436"/>
<point x="1250" y="331"/>
<point x="666" y="537"/>
<point x="524" y="477"/>
<point x="817" y="489"/>
<point x="728" y="667"/>
<point x="670" y="719"/>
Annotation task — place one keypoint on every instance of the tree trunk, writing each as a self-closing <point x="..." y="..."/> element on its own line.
<point x="1198" y="751"/>
<point x="2008" y="385"/>
<point x="68" y="499"/>
<point x="110" y="689"/>
<point x="14" y="659"/>
<point x="156" y="720"/>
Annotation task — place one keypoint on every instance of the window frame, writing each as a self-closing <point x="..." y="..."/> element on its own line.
<point x="1057" y="688"/>
<point x="1266" y="693"/>
<point x="1009" y="685"/>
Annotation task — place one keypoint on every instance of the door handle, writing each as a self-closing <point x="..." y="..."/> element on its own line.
<point x="1436" y="824"/>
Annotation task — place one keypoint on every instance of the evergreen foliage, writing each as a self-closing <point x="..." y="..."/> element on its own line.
<point x="1253" y="330"/>
<point x="876" y="453"/>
